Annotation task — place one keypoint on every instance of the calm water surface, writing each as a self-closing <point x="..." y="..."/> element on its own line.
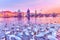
<point x="32" y="20"/>
<point x="18" y="21"/>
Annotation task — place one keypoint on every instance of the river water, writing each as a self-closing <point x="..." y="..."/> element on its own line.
<point x="39" y="20"/>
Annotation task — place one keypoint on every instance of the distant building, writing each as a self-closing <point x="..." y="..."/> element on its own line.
<point x="19" y="14"/>
<point x="46" y="15"/>
<point x="35" y="13"/>
<point x="54" y="15"/>
<point x="28" y="14"/>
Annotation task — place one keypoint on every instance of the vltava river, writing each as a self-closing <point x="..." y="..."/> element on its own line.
<point x="37" y="20"/>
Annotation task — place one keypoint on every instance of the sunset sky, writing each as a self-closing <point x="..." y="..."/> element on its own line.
<point x="39" y="5"/>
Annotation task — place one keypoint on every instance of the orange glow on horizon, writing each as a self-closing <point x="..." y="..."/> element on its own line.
<point x="52" y="10"/>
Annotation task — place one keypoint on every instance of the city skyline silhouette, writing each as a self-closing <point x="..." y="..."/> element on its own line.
<point x="47" y="6"/>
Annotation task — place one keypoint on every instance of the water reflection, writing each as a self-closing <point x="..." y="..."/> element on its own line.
<point x="36" y="20"/>
<point x="13" y="25"/>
